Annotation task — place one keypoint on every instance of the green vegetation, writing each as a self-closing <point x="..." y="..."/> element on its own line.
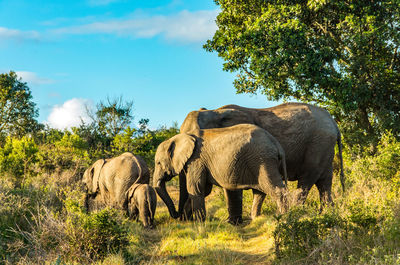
<point x="342" y="55"/>
<point x="17" y="111"/>
<point x="42" y="219"/>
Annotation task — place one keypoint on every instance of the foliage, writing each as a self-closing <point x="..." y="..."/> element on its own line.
<point x="16" y="157"/>
<point x="362" y="228"/>
<point x="143" y="142"/>
<point x="95" y="234"/>
<point x="384" y="164"/>
<point x="16" y="208"/>
<point x="17" y="110"/>
<point x="113" y="116"/>
<point x="336" y="237"/>
<point x="301" y="231"/>
<point x="63" y="151"/>
<point x="343" y="55"/>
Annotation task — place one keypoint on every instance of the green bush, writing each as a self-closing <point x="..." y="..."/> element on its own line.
<point x="302" y="229"/>
<point x="142" y="142"/>
<point x="16" y="158"/>
<point x="92" y="236"/>
<point x="362" y="215"/>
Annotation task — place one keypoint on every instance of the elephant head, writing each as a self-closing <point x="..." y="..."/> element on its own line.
<point x="170" y="159"/>
<point x="91" y="177"/>
<point x="219" y="118"/>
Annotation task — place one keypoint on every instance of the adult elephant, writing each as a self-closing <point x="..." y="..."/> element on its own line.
<point x="108" y="180"/>
<point x="243" y="156"/>
<point x="307" y="133"/>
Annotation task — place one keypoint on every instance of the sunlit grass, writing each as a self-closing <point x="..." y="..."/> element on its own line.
<point x="366" y="227"/>
<point x="212" y="242"/>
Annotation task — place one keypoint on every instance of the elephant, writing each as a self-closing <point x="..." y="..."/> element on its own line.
<point x="142" y="203"/>
<point x="307" y="133"/>
<point x="243" y="156"/>
<point x="108" y="180"/>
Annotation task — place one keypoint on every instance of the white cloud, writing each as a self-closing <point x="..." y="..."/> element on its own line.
<point x="185" y="26"/>
<point x="32" y="78"/>
<point x="69" y="114"/>
<point x="18" y="35"/>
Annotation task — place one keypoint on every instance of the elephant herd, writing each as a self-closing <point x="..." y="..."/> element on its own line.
<point x="233" y="147"/>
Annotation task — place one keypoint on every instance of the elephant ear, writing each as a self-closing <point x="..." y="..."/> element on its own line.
<point x="180" y="150"/>
<point x="95" y="173"/>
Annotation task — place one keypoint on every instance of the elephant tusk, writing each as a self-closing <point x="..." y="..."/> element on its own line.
<point x="159" y="183"/>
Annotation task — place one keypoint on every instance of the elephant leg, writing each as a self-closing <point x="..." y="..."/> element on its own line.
<point x="144" y="217"/>
<point x="134" y="214"/>
<point x="188" y="208"/>
<point x="199" y="207"/>
<point x="234" y="201"/>
<point x="258" y="199"/>
<point x="304" y="190"/>
<point x="324" y="186"/>
<point x="187" y="211"/>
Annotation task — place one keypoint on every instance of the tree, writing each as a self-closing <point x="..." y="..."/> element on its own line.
<point x="113" y="116"/>
<point x="17" y="110"/>
<point x="143" y="141"/>
<point x="340" y="54"/>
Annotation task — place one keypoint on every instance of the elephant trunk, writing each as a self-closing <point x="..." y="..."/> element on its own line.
<point x="86" y="203"/>
<point x="162" y="192"/>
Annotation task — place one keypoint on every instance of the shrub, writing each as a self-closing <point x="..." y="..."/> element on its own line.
<point x="67" y="153"/>
<point x="20" y="210"/>
<point x="301" y="230"/>
<point x="92" y="236"/>
<point x="142" y="142"/>
<point x="16" y="158"/>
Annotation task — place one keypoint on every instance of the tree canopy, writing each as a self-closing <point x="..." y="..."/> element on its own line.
<point x="113" y="116"/>
<point x="341" y="54"/>
<point x="17" y="110"/>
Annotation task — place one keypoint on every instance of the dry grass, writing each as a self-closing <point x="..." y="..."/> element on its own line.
<point x="367" y="200"/>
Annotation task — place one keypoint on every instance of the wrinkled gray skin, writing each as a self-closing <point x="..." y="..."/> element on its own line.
<point x="307" y="133"/>
<point x="108" y="180"/>
<point x="238" y="157"/>
<point x="142" y="203"/>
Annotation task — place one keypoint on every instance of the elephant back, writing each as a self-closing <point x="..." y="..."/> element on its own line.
<point x="139" y="170"/>
<point x="143" y="171"/>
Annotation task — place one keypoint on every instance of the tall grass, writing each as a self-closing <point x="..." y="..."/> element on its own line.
<point x="43" y="222"/>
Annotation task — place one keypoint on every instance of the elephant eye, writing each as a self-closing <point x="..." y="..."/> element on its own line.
<point x="223" y="121"/>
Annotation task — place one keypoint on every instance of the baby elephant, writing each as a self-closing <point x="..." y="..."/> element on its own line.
<point x="142" y="202"/>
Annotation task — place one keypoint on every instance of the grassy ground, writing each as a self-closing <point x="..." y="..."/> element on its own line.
<point x="44" y="223"/>
<point x="212" y="242"/>
<point x="361" y="229"/>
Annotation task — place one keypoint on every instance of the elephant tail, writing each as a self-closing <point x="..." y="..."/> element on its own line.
<point x="340" y="147"/>
<point x="144" y="173"/>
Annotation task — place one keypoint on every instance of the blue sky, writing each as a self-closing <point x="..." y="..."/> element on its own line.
<point x="73" y="53"/>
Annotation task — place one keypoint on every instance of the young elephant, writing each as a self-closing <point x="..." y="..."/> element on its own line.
<point x="142" y="202"/>
<point x="239" y="157"/>
<point x="108" y="180"/>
